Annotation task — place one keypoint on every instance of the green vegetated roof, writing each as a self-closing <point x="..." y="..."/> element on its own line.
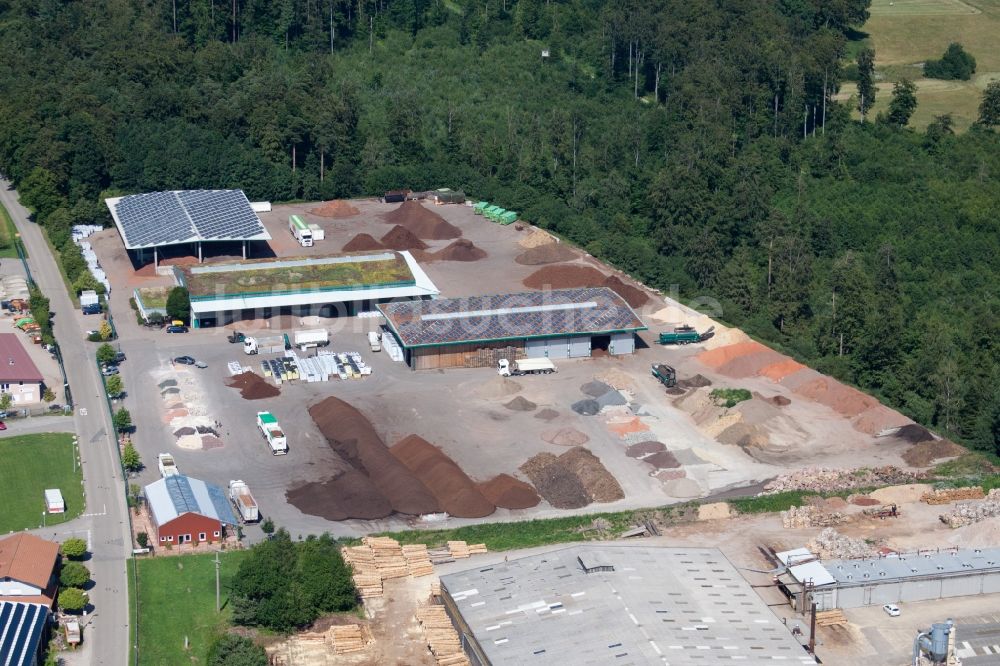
<point x="297" y="274"/>
<point x="154" y="297"/>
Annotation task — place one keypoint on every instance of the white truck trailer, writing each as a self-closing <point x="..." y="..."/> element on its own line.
<point x="167" y="466"/>
<point x="525" y="366"/>
<point x="246" y="505"/>
<point x="303" y="234"/>
<point x="272" y="432"/>
<point x="272" y="344"/>
<point x="374" y="341"/>
<point x="313" y="337"/>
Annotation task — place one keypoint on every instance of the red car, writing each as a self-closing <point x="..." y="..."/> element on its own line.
<point x="3" y="426"/>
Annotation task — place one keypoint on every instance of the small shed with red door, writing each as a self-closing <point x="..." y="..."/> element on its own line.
<point x="186" y="510"/>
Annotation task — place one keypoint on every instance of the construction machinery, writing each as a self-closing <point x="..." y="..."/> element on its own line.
<point x="685" y="335"/>
<point x="665" y="374"/>
<point x="235" y="337"/>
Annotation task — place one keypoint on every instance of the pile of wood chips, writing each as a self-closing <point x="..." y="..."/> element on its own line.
<point x="418" y="561"/>
<point x="948" y="495"/>
<point x="460" y="549"/>
<point x="442" y="639"/>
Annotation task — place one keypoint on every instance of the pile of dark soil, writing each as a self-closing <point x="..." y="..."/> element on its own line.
<point x="558" y="485"/>
<point x="509" y="493"/>
<point x="401" y="238"/>
<point x="586" y="407"/>
<point x="644" y="449"/>
<point x="547" y="414"/>
<point x="925" y="453"/>
<point x="252" y="386"/>
<point x="914" y="434"/>
<point x="352" y="436"/>
<point x="456" y="492"/>
<point x="600" y="484"/>
<point x="167" y="382"/>
<point x="460" y="250"/>
<point x="662" y="460"/>
<point x="780" y="401"/>
<point x="422" y="222"/>
<point x="186" y="430"/>
<point x="564" y="277"/>
<point x="337" y="208"/>
<point x="696" y="381"/>
<point x="348" y="496"/>
<point x="550" y="253"/>
<point x="595" y="389"/>
<point x="362" y="243"/>
<point x="634" y="296"/>
<point x="520" y="404"/>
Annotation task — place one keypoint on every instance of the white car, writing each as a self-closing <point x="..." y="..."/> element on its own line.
<point x="892" y="610"/>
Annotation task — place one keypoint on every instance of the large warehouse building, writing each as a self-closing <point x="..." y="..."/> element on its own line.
<point x="156" y="220"/>
<point x="613" y="604"/>
<point x="920" y="576"/>
<point x="339" y="284"/>
<point x="477" y="331"/>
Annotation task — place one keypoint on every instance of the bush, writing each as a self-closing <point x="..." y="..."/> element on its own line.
<point x="72" y="600"/>
<point x="122" y="420"/>
<point x="233" y="650"/>
<point x="114" y="386"/>
<point x="105" y="354"/>
<point x="130" y="458"/>
<point x="49" y="395"/>
<point x="74" y="548"/>
<point x="142" y="539"/>
<point x="729" y="397"/>
<point x="179" y="304"/>
<point x="954" y="64"/>
<point x="74" y="574"/>
<point x="267" y="527"/>
<point x="106" y="331"/>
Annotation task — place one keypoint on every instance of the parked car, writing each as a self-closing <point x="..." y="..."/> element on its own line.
<point x="3" y="426"/>
<point x="200" y="364"/>
<point x="119" y="357"/>
<point x="109" y="370"/>
<point x="184" y="360"/>
<point x="177" y="329"/>
<point x="892" y="610"/>
<point x="92" y="309"/>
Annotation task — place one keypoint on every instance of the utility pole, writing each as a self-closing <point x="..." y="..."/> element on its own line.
<point x="217" y="565"/>
<point x="812" y="629"/>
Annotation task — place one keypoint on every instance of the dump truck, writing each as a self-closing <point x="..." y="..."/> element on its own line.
<point x="308" y="338"/>
<point x="665" y="374"/>
<point x="246" y="505"/>
<point x="167" y="466"/>
<point x="273" y="433"/>
<point x="272" y="344"/>
<point x="525" y="366"/>
<point x="303" y="234"/>
<point x="685" y="335"/>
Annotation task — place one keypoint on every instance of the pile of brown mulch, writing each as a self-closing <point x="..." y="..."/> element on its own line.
<point x="564" y="277"/>
<point x="599" y="482"/>
<point x="520" y="404"/>
<point x="694" y="382"/>
<point x="925" y="453"/>
<point x="558" y="485"/>
<point x="509" y="493"/>
<point x="662" y="460"/>
<point x="914" y="433"/>
<point x="454" y="490"/>
<point x="362" y="243"/>
<point x="423" y="223"/>
<point x="460" y="250"/>
<point x="547" y="414"/>
<point x="644" y="449"/>
<point x="252" y="386"/>
<point x="401" y="238"/>
<point x="335" y="209"/>
<point x="550" y="253"/>
<point x="634" y="296"/>
<point x="350" y="495"/>
<point x="351" y="435"/>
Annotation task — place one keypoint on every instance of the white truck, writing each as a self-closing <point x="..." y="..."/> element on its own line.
<point x="318" y="233"/>
<point x="272" y="432"/>
<point x="303" y="234"/>
<point x="273" y="344"/>
<point x="167" y="466"/>
<point x="313" y="337"/>
<point x="525" y="366"/>
<point x="246" y="505"/>
<point x="375" y="341"/>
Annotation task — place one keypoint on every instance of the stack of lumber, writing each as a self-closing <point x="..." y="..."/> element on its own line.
<point x="389" y="558"/>
<point x="947" y="495"/>
<point x="441" y="636"/>
<point x="458" y="549"/>
<point x="366" y="575"/>
<point x="436" y="587"/>
<point x="440" y="555"/>
<point x="347" y="638"/>
<point x="477" y="549"/>
<point x="830" y="618"/>
<point x="418" y="561"/>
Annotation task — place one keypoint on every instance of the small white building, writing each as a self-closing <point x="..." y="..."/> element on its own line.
<point x="54" y="502"/>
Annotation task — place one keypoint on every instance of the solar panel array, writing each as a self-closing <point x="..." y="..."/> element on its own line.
<point x="164" y="218"/>
<point x="21" y="627"/>
<point x="181" y="494"/>
<point x="530" y="314"/>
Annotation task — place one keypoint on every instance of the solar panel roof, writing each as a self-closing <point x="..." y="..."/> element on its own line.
<point x="21" y="627"/>
<point x="561" y="312"/>
<point x="176" y="495"/>
<point x="185" y="216"/>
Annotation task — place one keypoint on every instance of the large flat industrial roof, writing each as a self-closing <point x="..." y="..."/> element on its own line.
<point x="536" y="314"/>
<point x="292" y="281"/>
<point x="913" y="565"/>
<point x="156" y="219"/>
<point x="655" y="606"/>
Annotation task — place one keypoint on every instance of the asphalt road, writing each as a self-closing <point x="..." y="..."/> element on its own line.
<point x="106" y="520"/>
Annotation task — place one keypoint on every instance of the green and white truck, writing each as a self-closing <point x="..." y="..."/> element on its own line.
<point x="272" y="432"/>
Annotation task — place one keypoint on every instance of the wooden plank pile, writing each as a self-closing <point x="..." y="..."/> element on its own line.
<point x="389" y="558"/>
<point x="440" y="555"/>
<point x="461" y="549"/>
<point x="947" y="495"/>
<point x="366" y="575"/>
<point x="830" y="618"/>
<point x="436" y="587"/>
<point x="418" y="561"/>
<point x="347" y="638"/>
<point x="442" y="639"/>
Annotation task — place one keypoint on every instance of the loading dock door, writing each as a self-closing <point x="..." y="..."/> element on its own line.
<point x="622" y="343"/>
<point x="579" y="347"/>
<point x="547" y="348"/>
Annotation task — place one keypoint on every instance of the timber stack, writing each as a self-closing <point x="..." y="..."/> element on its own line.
<point x="418" y="561"/>
<point x="442" y="639"/>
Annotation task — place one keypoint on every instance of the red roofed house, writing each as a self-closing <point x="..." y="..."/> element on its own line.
<point x="18" y="375"/>
<point x="27" y="569"/>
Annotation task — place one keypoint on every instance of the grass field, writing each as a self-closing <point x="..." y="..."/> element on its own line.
<point x="906" y="33"/>
<point x="28" y="465"/>
<point x="176" y="600"/>
<point x="7" y="234"/>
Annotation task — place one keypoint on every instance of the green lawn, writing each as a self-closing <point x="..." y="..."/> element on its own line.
<point x="7" y="234"/>
<point x="28" y="465"/>
<point x="176" y="599"/>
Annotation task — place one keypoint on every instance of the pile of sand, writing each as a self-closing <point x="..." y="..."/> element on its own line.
<point x="460" y="250"/>
<point x="252" y="386"/>
<point x="520" y="404"/>
<point x="547" y="253"/>
<point x="454" y="490"/>
<point x="616" y="378"/>
<point x="401" y="238"/>
<point x="422" y="222"/>
<point x="507" y="492"/>
<point x="362" y="243"/>
<point x="497" y="387"/>
<point x="634" y="296"/>
<point x="336" y="209"/>
<point x="353" y="438"/>
<point x="564" y="277"/>
<point x="565" y="437"/>
<point x="547" y="414"/>
<point x="537" y="238"/>
<point x="722" y="356"/>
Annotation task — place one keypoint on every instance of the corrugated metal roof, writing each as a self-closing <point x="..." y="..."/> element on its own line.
<point x="21" y="629"/>
<point x="176" y="495"/>
<point x="913" y="565"/>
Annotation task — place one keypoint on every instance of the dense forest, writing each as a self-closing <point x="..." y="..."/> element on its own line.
<point x="693" y="144"/>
